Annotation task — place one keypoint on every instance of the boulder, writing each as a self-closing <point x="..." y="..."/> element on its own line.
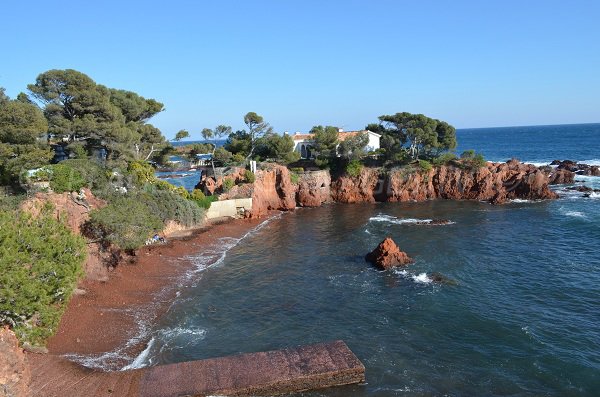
<point x="14" y="370"/>
<point x="387" y="255"/>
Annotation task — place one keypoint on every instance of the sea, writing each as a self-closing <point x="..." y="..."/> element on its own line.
<point x="520" y="315"/>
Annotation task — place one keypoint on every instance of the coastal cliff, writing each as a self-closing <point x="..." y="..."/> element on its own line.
<point x="496" y="183"/>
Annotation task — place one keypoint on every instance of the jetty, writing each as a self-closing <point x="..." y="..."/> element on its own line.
<point x="252" y="374"/>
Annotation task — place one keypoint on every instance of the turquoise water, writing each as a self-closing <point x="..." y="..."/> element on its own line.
<point x="523" y="319"/>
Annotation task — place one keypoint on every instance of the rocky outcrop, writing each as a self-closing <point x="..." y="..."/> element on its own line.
<point x="359" y="189"/>
<point x="314" y="189"/>
<point x="14" y="371"/>
<point x="559" y="177"/>
<point x="74" y="210"/>
<point x="496" y="182"/>
<point x="577" y="168"/>
<point x="272" y="190"/>
<point x="387" y="255"/>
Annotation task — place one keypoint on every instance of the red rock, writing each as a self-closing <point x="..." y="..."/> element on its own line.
<point x="14" y="369"/>
<point x="314" y="189"/>
<point x="388" y="255"/>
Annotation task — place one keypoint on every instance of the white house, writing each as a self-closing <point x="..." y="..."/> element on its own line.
<point x="304" y="143"/>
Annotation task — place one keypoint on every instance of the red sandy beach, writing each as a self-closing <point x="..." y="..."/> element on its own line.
<point x="109" y="317"/>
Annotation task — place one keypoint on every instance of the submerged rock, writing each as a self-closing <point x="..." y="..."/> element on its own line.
<point x="439" y="278"/>
<point x="387" y="255"/>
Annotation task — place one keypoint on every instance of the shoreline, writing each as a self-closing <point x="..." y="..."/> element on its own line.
<point x="109" y="325"/>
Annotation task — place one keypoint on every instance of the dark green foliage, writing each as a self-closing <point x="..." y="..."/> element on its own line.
<point x="64" y="178"/>
<point x="257" y="128"/>
<point x="326" y="141"/>
<point x="445" y="159"/>
<point x="94" y="175"/>
<point x="279" y="148"/>
<point x="228" y="183"/>
<point x="249" y="176"/>
<point x="425" y="165"/>
<point x="40" y="261"/>
<point x="16" y="159"/>
<point x="202" y="200"/>
<point x="78" y="109"/>
<point x="182" y="134"/>
<point x="126" y="222"/>
<point x="238" y="142"/>
<point x="423" y="135"/>
<point x="223" y="156"/>
<point x="353" y="148"/>
<point x="21" y="123"/>
<point x="471" y="160"/>
<point x="354" y="168"/>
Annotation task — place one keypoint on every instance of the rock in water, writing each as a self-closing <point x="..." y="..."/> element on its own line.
<point x="388" y="255"/>
<point x="14" y="371"/>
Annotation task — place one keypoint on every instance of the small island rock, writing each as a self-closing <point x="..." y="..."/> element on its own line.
<point x="388" y="255"/>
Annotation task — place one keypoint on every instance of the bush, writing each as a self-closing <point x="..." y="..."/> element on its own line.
<point x="425" y="165"/>
<point x="249" y="176"/>
<point x="297" y="169"/>
<point x="294" y="178"/>
<point x="354" y="168"/>
<point x="238" y="158"/>
<point x="444" y="159"/>
<point x="126" y="222"/>
<point x="95" y="176"/>
<point x="228" y="183"/>
<point x="472" y="160"/>
<point x="65" y="178"/>
<point x="171" y="206"/>
<point x="202" y="200"/>
<point x="142" y="172"/>
<point x="40" y="260"/>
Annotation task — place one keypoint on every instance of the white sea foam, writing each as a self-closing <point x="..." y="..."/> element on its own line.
<point x="594" y="195"/>
<point x="144" y="316"/>
<point x="576" y="214"/>
<point x="421" y="278"/>
<point x="403" y="221"/>
<point x="523" y="201"/>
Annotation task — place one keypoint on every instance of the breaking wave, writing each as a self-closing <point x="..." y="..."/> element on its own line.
<point x="407" y="221"/>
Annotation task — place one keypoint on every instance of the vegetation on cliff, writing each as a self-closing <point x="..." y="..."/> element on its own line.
<point x="40" y="260"/>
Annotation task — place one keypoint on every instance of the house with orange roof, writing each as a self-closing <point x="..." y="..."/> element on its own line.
<point x="304" y="143"/>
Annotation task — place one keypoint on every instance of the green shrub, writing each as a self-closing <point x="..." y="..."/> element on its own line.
<point x="142" y="172"/>
<point x="249" y="176"/>
<point x="238" y="158"/>
<point x="40" y="260"/>
<point x="425" y="165"/>
<point x="294" y="178"/>
<point x="472" y="160"/>
<point x="65" y="178"/>
<point x="297" y="169"/>
<point x="444" y="159"/>
<point x="228" y="183"/>
<point x="202" y="200"/>
<point x="171" y="206"/>
<point x="126" y="222"/>
<point x="95" y="175"/>
<point x="354" y="168"/>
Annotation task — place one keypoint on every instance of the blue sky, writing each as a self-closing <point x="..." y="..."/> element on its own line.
<point x="302" y="63"/>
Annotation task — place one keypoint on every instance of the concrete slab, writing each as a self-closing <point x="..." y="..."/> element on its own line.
<point x="254" y="374"/>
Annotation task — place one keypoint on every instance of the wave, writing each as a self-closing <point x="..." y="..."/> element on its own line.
<point x="420" y="278"/>
<point x="408" y="221"/>
<point x="145" y="316"/>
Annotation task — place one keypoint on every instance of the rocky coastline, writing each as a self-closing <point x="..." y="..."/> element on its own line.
<point x="496" y="183"/>
<point x="106" y="295"/>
